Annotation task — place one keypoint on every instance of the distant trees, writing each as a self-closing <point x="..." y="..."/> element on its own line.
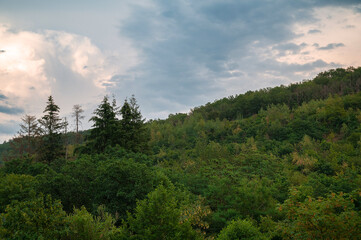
<point x="48" y="137"/>
<point x="335" y="81"/>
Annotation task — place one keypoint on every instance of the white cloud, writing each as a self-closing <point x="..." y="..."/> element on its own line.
<point x="34" y="65"/>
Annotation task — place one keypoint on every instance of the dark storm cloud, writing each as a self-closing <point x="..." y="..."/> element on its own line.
<point x="188" y="45"/>
<point x="331" y="46"/>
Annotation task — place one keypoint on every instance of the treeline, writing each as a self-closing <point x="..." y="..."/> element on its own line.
<point x="335" y="81"/>
<point x="284" y="172"/>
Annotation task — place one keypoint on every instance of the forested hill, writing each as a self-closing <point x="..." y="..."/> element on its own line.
<point x="336" y="81"/>
<point x="278" y="163"/>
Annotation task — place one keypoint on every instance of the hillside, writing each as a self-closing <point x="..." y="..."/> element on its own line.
<point x="336" y="81"/>
<point x="278" y="163"/>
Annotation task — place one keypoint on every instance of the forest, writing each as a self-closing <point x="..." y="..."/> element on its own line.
<point x="277" y="163"/>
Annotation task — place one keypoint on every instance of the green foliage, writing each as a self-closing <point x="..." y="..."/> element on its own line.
<point x="63" y="187"/>
<point x="50" y="147"/>
<point x="26" y="165"/>
<point x="159" y="217"/>
<point x="240" y="229"/>
<point x="108" y="131"/>
<point x="134" y="135"/>
<point x="120" y="182"/>
<point x="236" y="158"/>
<point x="335" y="81"/>
<point x="38" y="218"/>
<point x="333" y="217"/>
<point x="84" y="226"/>
<point x="104" y="132"/>
<point x="15" y="187"/>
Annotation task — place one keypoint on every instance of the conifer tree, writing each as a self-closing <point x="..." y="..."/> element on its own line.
<point x="51" y="124"/>
<point x="104" y="132"/>
<point x="134" y="134"/>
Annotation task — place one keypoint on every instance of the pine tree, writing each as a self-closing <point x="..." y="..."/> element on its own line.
<point x="51" y="122"/>
<point x="134" y="134"/>
<point x="104" y="132"/>
<point x="51" y="147"/>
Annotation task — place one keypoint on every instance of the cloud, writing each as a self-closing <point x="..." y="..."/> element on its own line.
<point x="10" y="110"/>
<point x="330" y="46"/>
<point x="289" y="48"/>
<point x="194" y="52"/>
<point x="313" y="31"/>
<point x="35" y="65"/>
<point x="2" y="97"/>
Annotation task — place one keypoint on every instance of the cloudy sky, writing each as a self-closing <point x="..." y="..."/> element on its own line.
<point x="173" y="55"/>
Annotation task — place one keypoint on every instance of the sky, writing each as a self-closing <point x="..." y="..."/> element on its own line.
<point x="172" y="55"/>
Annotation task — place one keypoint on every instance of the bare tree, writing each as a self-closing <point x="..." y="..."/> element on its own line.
<point x="77" y="114"/>
<point x="28" y="132"/>
<point x="29" y="128"/>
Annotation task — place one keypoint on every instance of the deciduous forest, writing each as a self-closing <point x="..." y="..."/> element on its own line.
<point x="277" y="163"/>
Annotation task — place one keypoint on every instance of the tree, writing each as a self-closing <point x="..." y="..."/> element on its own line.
<point x="66" y="141"/>
<point x="84" y="226"/>
<point x="77" y="114"/>
<point x="240" y="229"/>
<point x="120" y="182"/>
<point x="135" y="136"/>
<point x="37" y="218"/>
<point x="26" y="142"/>
<point x="336" y="216"/>
<point x="159" y="216"/>
<point x="16" y="187"/>
<point x="104" y="132"/>
<point x="52" y="124"/>
<point x="29" y="128"/>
